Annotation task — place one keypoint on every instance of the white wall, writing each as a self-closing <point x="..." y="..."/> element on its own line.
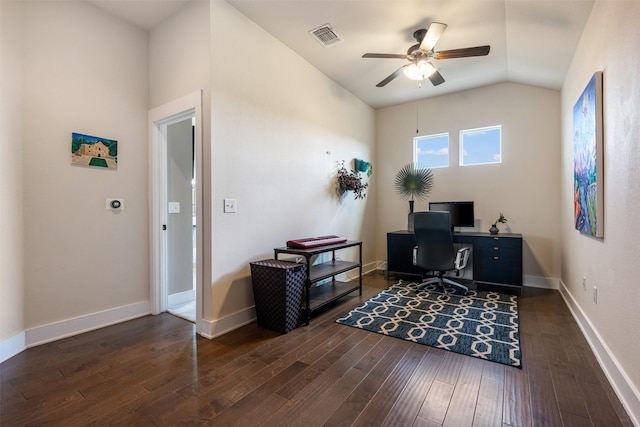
<point x="524" y="186"/>
<point x="86" y="72"/>
<point x="179" y="64"/>
<point x="11" y="211"/>
<point x="609" y="44"/>
<point x="274" y="118"/>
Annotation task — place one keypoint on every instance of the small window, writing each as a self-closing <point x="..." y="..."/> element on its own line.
<point x="431" y="151"/>
<point x="481" y="146"/>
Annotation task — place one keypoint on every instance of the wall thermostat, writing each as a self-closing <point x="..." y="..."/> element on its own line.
<point x="115" y="204"/>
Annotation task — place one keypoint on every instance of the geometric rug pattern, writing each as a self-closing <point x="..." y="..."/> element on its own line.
<point x="476" y="323"/>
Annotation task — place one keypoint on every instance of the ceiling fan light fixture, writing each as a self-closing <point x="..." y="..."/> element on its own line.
<point x="420" y="70"/>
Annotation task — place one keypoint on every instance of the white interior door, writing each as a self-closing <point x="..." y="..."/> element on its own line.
<point x="163" y="121"/>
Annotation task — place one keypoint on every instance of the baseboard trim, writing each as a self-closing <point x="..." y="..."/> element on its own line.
<point x="181" y="297"/>
<point x="625" y="390"/>
<point x="214" y="328"/>
<point x="352" y="275"/>
<point x="78" y="325"/>
<point x="12" y="346"/>
<point x="541" y="282"/>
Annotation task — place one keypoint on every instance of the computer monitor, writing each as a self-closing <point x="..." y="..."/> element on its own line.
<point x="460" y="213"/>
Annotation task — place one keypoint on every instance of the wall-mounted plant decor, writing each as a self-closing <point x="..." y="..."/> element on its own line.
<point x="87" y="150"/>
<point x="363" y="166"/>
<point x="350" y="181"/>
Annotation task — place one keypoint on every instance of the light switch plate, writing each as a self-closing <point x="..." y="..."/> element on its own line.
<point x="174" y="207"/>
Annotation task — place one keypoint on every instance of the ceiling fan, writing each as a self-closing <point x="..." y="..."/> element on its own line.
<point x="420" y="54"/>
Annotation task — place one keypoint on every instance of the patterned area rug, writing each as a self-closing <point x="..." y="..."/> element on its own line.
<point x="480" y="324"/>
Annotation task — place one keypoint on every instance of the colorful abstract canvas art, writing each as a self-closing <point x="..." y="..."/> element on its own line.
<point x="588" y="200"/>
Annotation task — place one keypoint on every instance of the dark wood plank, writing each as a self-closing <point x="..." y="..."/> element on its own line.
<point x="242" y="412"/>
<point x="489" y="407"/>
<point x="324" y="378"/>
<point x="463" y="401"/>
<point x="517" y="400"/>
<point x="155" y="371"/>
<point x="568" y="393"/>
<point x="450" y="368"/>
<point x="409" y="402"/>
<point x="359" y="398"/>
<point x="386" y="397"/>
<point x="544" y="406"/>
<point x="437" y="402"/>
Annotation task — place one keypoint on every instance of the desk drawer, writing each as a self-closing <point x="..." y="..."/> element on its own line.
<point x="498" y="269"/>
<point x="498" y="260"/>
<point x="496" y="246"/>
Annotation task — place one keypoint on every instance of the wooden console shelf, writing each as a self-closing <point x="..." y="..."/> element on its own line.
<point x="321" y="295"/>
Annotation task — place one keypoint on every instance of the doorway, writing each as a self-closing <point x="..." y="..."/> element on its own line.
<point x="181" y="219"/>
<point x="176" y="208"/>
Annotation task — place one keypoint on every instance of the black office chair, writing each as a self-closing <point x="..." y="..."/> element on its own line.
<point x="435" y="250"/>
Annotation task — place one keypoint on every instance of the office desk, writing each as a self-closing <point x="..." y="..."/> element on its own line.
<point x="497" y="259"/>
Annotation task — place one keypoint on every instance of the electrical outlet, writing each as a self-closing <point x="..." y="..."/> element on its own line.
<point x="584" y="283"/>
<point x="595" y="295"/>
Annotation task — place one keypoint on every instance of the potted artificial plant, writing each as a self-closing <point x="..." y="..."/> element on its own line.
<point x="413" y="181"/>
<point x="494" y="229"/>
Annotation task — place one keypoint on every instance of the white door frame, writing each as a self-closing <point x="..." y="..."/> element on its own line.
<point x="159" y="118"/>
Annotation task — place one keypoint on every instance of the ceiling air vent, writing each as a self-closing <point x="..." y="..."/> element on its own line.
<point x="325" y="35"/>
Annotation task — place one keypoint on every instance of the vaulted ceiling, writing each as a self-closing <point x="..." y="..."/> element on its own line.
<point x="532" y="41"/>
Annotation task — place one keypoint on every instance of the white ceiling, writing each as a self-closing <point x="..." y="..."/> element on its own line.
<point x="532" y="41"/>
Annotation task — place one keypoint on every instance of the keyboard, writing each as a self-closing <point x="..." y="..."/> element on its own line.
<point x="312" y="242"/>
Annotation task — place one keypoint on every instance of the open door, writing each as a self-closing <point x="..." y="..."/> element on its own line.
<point x="171" y="209"/>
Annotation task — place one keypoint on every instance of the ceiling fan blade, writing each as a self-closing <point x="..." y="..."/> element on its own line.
<point x="462" y="53"/>
<point x="392" y="76"/>
<point x="433" y="35"/>
<point x="385" y="55"/>
<point x="436" y="78"/>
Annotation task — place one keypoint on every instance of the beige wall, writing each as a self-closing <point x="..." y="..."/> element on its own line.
<point x="179" y="64"/>
<point x="524" y="186"/>
<point x="85" y="72"/>
<point x="11" y="210"/>
<point x="279" y="127"/>
<point x="609" y="44"/>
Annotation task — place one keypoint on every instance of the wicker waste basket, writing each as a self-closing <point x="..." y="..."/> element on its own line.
<point x="278" y="287"/>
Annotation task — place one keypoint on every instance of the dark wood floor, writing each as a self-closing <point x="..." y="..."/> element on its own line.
<point x="155" y="371"/>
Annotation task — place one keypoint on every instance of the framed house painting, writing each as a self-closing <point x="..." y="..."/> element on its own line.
<point x="90" y="150"/>
<point x="588" y="188"/>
